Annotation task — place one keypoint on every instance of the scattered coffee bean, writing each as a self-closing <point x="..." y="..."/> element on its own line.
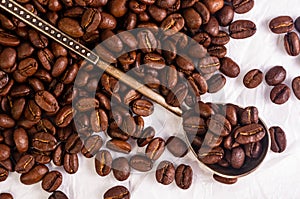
<point x="52" y="181"/>
<point x="121" y="168"/>
<point x="280" y="94"/>
<point x="281" y="24"/>
<point x="58" y="195"/>
<point x="278" y="139"/>
<point x="117" y="192"/>
<point x="177" y="146"/>
<point x="165" y="173"/>
<point x="296" y="86"/>
<point x="253" y="78"/>
<point x="275" y="75"/>
<point x="292" y="44"/>
<point x="140" y="163"/>
<point x="224" y="180"/>
<point x="183" y="176"/>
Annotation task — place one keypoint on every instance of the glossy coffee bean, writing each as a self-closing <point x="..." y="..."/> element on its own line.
<point x="52" y="181"/>
<point x="21" y="140"/>
<point x="73" y="144"/>
<point x="43" y="141"/>
<point x="214" y="5"/>
<point x="225" y="15"/>
<point x="103" y="163"/>
<point x="183" y="176"/>
<point x="58" y="195"/>
<point x="165" y="173"/>
<point x="25" y="164"/>
<point x="225" y="180"/>
<point x="194" y="125"/>
<point x="178" y="94"/>
<point x="249" y="115"/>
<point x="6" y="121"/>
<point x="64" y="116"/>
<point x="212" y="26"/>
<point x="242" y="6"/>
<point x="3" y="174"/>
<point x="117" y="192"/>
<point x="237" y="157"/>
<point x="119" y="146"/>
<point x="91" y="146"/>
<point x="146" y="136"/>
<point x="5" y="152"/>
<point x="241" y="29"/>
<point x="253" y="150"/>
<point x="35" y="175"/>
<point x="140" y="163"/>
<point x="71" y="164"/>
<point x="155" y="148"/>
<point x="71" y="27"/>
<point x="203" y="11"/>
<point x="58" y="155"/>
<point x="280" y="94"/>
<point x="296" y="86"/>
<point x="249" y="133"/>
<point x="229" y="67"/>
<point x="177" y="146"/>
<point x="219" y="125"/>
<point x="90" y="19"/>
<point x="6" y="196"/>
<point x="281" y="24"/>
<point x="292" y="44"/>
<point x="46" y="101"/>
<point x="253" y="78"/>
<point x="172" y="24"/>
<point x="278" y="139"/>
<point x="142" y="107"/>
<point x="216" y="83"/>
<point x="275" y="75"/>
<point x="121" y="168"/>
<point x="210" y="156"/>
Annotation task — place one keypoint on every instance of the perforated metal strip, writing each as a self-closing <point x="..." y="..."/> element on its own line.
<point x="34" y="21"/>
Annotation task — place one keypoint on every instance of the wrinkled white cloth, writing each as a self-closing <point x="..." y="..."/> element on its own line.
<point x="278" y="177"/>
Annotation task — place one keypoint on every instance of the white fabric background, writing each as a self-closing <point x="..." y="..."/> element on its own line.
<point x="278" y="177"/>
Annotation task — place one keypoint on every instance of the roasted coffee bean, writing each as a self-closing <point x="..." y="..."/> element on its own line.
<point x="212" y="140"/>
<point x="225" y="15"/>
<point x="147" y="135"/>
<point x="204" y="110"/>
<point x="158" y="14"/>
<point x="7" y="39"/>
<point x="103" y="163"/>
<point x="185" y="63"/>
<point x="275" y="75"/>
<point x="7" y="164"/>
<point x="214" y="6"/>
<point x="58" y="155"/>
<point x="165" y="173"/>
<point x="216" y="83"/>
<point x="90" y="19"/>
<point x="278" y="139"/>
<point x="212" y="26"/>
<point x="128" y="125"/>
<point x="5" y="152"/>
<point x="242" y="6"/>
<point x="121" y="168"/>
<point x="43" y="142"/>
<point x="229" y="67"/>
<point x="111" y="41"/>
<point x="71" y="163"/>
<point x="177" y="146"/>
<point x="155" y="148"/>
<point x="91" y="146"/>
<point x="6" y="196"/>
<point x="117" y="192"/>
<point x="41" y="157"/>
<point x="35" y="175"/>
<point x="237" y="157"/>
<point x="219" y="125"/>
<point x="24" y="164"/>
<point x="178" y="94"/>
<point x="119" y="146"/>
<point x="203" y="11"/>
<point x="117" y="8"/>
<point x="71" y="27"/>
<point x="209" y="65"/>
<point x="117" y="133"/>
<point x="172" y="24"/>
<point x="38" y="40"/>
<point x="249" y="133"/>
<point x="64" y="116"/>
<point x="140" y="163"/>
<point x="142" y="107"/>
<point x="58" y="195"/>
<point x="222" y="38"/>
<point x="139" y="121"/>
<point x="217" y="51"/>
<point x="249" y="115"/>
<point x="194" y="125"/>
<point x="192" y="18"/>
<point x="292" y="44"/>
<point x="203" y="38"/>
<point x="8" y="58"/>
<point x="296" y="86"/>
<point x="183" y="176"/>
<point x="52" y="181"/>
<point x="154" y="61"/>
<point x="253" y="78"/>
<point x="280" y="94"/>
<point x="46" y="101"/>
<point x="3" y="174"/>
<point x="241" y="29"/>
<point x="253" y="150"/>
<point x="281" y="24"/>
<point x="147" y="41"/>
<point x="224" y="180"/>
<point x="73" y="144"/>
<point x="210" y="155"/>
<point x="21" y="140"/>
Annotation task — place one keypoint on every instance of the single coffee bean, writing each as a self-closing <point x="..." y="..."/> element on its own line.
<point x="58" y="195"/>
<point x="212" y="26"/>
<point x="281" y="24"/>
<point x="177" y="146"/>
<point x="212" y="140"/>
<point x="249" y="133"/>
<point x="217" y="51"/>
<point x="249" y="115"/>
<point x="90" y="19"/>
<point x="38" y="40"/>
<point x="142" y="107"/>
<point x="73" y="144"/>
<point x="64" y="116"/>
<point x="91" y="146"/>
<point x="194" y="125"/>
<point x="103" y="163"/>
<point x="278" y="139"/>
<point x="46" y="101"/>
<point x="146" y="136"/>
<point x="71" y="163"/>
<point x="292" y="44"/>
<point x="52" y="181"/>
<point x="216" y="83"/>
<point x="178" y="94"/>
<point x="25" y="164"/>
<point x="165" y="173"/>
<point x="183" y="176"/>
<point x="6" y="121"/>
<point x="71" y="27"/>
<point x="242" y="6"/>
<point x="253" y="78"/>
<point x="4" y="152"/>
<point x="204" y="110"/>
<point x="121" y="168"/>
<point x="155" y="148"/>
<point x="203" y="38"/>
<point x="241" y="29"/>
<point x="214" y="6"/>
<point x="192" y="18"/>
<point x="224" y="180"/>
<point x="119" y="146"/>
<point x="296" y="86"/>
<point x="58" y="155"/>
<point x="35" y="175"/>
<point x="210" y="155"/>
<point x="275" y="75"/>
<point x="225" y="15"/>
<point x="8" y="58"/>
<point x="6" y="196"/>
<point x="43" y="141"/>
<point x="219" y="125"/>
<point x="7" y="39"/>
<point x="253" y="150"/>
<point x="3" y="174"/>
<point x="172" y="24"/>
<point x="229" y="67"/>
<point x="117" y="192"/>
<point x="21" y="140"/>
<point x="140" y="163"/>
<point x="237" y="157"/>
<point x="280" y="94"/>
<point x="203" y="11"/>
